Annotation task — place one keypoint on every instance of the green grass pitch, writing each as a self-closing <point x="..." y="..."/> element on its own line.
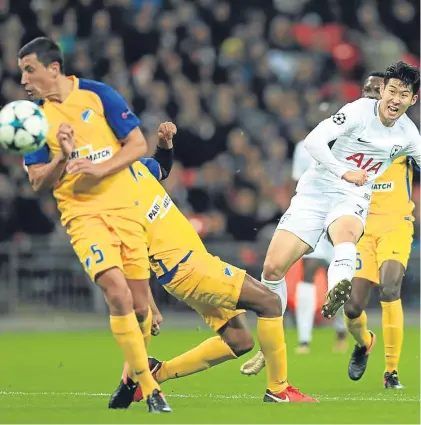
<point x="66" y="378"/>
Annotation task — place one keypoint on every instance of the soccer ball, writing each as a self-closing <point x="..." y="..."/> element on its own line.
<point x="23" y="127"/>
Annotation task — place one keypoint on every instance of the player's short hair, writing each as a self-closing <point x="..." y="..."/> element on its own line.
<point x="46" y="50"/>
<point x="408" y="74"/>
<point x="376" y="74"/>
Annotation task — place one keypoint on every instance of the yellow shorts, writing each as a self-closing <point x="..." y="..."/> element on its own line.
<point x="209" y="286"/>
<point x="385" y="238"/>
<point x="111" y="239"/>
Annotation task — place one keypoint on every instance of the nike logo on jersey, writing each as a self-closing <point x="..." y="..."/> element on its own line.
<point x="362" y="141"/>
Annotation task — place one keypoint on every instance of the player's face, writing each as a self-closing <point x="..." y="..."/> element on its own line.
<point x="396" y="99"/>
<point x="371" y="89"/>
<point x="36" y="78"/>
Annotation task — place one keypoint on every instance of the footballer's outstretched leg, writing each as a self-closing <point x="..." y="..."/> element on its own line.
<point x="232" y="291"/>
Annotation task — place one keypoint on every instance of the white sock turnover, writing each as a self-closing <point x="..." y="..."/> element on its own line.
<point x="280" y="289"/>
<point x="343" y="263"/>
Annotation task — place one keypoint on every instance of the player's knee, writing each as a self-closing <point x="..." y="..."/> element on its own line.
<point x="117" y="293"/>
<point x="272" y="270"/>
<point x="141" y="312"/>
<point x="390" y="291"/>
<point x="241" y="342"/>
<point x="352" y="309"/>
<point x="346" y="235"/>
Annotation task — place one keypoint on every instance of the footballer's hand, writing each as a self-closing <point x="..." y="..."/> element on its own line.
<point x="85" y="166"/>
<point x="157" y="319"/>
<point x="166" y="132"/>
<point x="66" y="139"/>
<point x="359" y="177"/>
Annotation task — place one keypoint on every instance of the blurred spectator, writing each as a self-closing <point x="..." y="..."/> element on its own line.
<point x="243" y="80"/>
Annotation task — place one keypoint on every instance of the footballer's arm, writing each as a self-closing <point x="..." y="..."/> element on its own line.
<point x="44" y="174"/>
<point x="317" y="142"/>
<point x="134" y="146"/>
<point x="160" y="164"/>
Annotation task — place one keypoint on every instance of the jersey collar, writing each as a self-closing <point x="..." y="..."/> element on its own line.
<point x="75" y="88"/>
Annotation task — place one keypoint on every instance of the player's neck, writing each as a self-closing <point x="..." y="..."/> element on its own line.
<point x="61" y="90"/>
<point x="386" y="122"/>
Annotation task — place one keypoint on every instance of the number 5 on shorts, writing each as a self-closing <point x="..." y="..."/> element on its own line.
<point x="359" y="262"/>
<point x="97" y="252"/>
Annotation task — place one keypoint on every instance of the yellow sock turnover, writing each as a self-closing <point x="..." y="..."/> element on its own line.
<point x="270" y="333"/>
<point x="392" y="321"/>
<point x="209" y="353"/>
<point x="127" y="333"/>
<point x="358" y="329"/>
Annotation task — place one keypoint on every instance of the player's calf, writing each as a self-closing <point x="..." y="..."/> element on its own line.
<point x="236" y="334"/>
<point x="352" y="309"/>
<point x="258" y="298"/>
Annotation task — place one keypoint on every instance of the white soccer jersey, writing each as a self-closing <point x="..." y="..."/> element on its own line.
<point x="301" y="161"/>
<point x="360" y="141"/>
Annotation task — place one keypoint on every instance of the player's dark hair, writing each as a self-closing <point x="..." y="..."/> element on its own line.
<point x="408" y="74"/>
<point x="376" y="74"/>
<point x="46" y="50"/>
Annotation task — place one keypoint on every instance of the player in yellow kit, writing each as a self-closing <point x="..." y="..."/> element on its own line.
<point x="218" y="291"/>
<point x="93" y="138"/>
<point x="383" y="254"/>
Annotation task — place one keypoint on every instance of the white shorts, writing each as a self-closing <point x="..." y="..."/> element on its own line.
<point x="311" y="214"/>
<point x="323" y="250"/>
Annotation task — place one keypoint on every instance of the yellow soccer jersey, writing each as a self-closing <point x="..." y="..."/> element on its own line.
<point x="170" y="235"/>
<point x="392" y="191"/>
<point x="100" y="118"/>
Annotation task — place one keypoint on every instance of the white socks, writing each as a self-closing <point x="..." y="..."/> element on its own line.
<point x="280" y="289"/>
<point x="305" y="310"/>
<point x="343" y="264"/>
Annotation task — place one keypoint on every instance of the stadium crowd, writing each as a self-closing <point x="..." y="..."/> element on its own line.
<point x="244" y="81"/>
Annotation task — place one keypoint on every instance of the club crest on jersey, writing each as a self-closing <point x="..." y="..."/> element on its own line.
<point x="86" y="115"/>
<point x="228" y="272"/>
<point x="395" y="150"/>
<point x="339" y="118"/>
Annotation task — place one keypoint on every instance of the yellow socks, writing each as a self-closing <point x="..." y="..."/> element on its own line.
<point x="127" y="333"/>
<point x="146" y="327"/>
<point x="270" y="333"/>
<point x="392" y="321"/>
<point x="209" y="353"/>
<point x="358" y="329"/>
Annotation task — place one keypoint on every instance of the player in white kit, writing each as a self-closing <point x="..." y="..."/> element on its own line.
<point x="351" y="149"/>
<point x="305" y="305"/>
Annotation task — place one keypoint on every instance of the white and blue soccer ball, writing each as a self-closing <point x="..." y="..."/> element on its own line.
<point x="23" y="127"/>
